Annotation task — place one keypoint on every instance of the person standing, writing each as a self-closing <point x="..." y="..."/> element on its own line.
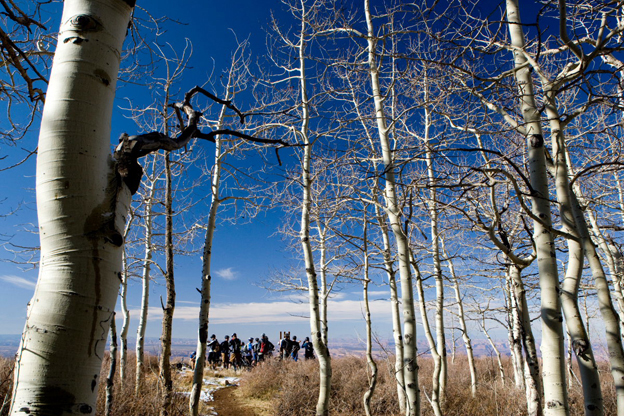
<point x="224" y="347"/>
<point x="248" y="351"/>
<point x="235" y="351"/>
<point x="285" y="346"/>
<point x="256" y="350"/>
<point x="308" y="349"/>
<point x="213" y="352"/>
<point x="294" y="348"/>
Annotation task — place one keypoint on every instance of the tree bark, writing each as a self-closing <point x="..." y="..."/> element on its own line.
<point x="145" y="282"/>
<point x="372" y="365"/>
<point x="462" y="322"/>
<point x="395" y="312"/>
<point x="316" y="330"/>
<point x="82" y="208"/>
<point x="110" y="380"/>
<point x="410" y="366"/>
<point x="435" y="403"/>
<point x="204" y="306"/>
<point x="166" y="383"/>
<point x="553" y="374"/>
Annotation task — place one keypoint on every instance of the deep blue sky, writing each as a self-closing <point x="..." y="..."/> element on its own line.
<point x="243" y="255"/>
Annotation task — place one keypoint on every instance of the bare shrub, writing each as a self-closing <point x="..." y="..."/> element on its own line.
<point x="292" y="388"/>
<point x="148" y="401"/>
<point x="6" y="384"/>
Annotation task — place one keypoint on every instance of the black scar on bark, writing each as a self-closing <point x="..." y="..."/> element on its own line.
<point x="537" y="141"/>
<point x="128" y="167"/>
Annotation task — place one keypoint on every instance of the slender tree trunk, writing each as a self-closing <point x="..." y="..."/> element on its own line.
<point x="204" y="306"/>
<point x="145" y="286"/>
<point x="372" y="365"/>
<point x="82" y="209"/>
<point x="435" y="403"/>
<point x="440" y="371"/>
<point x="394" y="308"/>
<point x="531" y="362"/>
<point x="316" y="330"/>
<point x="614" y="263"/>
<point x="501" y="369"/>
<point x="410" y="366"/>
<point x="166" y="382"/>
<point x="610" y="317"/>
<point x="123" y="335"/>
<point x="590" y="378"/>
<point x="515" y="336"/>
<point x="322" y="233"/>
<point x="553" y="354"/>
<point x="462" y="322"/>
<point x="110" y="380"/>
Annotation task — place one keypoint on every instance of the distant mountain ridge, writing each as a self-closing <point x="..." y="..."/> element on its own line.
<point x="183" y="347"/>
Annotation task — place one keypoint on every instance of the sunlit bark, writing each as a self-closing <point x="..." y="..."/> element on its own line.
<point x="82" y="209"/>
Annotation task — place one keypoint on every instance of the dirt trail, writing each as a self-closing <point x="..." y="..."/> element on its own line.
<point x="227" y="403"/>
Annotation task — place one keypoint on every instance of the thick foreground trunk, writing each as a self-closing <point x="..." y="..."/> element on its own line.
<point x="82" y="207"/>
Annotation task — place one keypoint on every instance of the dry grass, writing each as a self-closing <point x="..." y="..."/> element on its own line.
<point x="125" y="403"/>
<point x="6" y="383"/>
<point x="290" y="389"/>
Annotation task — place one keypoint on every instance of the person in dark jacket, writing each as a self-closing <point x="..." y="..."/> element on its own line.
<point x="224" y="347"/>
<point x="294" y="348"/>
<point x="308" y="349"/>
<point x="235" y="351"/>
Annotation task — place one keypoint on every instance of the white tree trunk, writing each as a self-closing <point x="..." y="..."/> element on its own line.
<point x="462" y="322"/>
<point x="440" y="370"/>
<point x="145" y="282"/>
<point x="82" y="208"/>
<point x="581" y="344"/>
<point x="553" y="374"/>
<point x="394" y="308"/>
<point x="531" y="361"/>
<point x="610" y="317"/>
<point x="435" y="403"/>
<point x="166" y="383"/>
<point x="515" y="336"/>
<point x="501" y="369"/>
<point x="322" y="233"/>
<point x="410" y="366"/>
<point x="316" y="330"/>
<point x="123" y="335"/>
<point x="110" y="380"/>
<point x="372" y="365"/>
<point x="204" y="306"/>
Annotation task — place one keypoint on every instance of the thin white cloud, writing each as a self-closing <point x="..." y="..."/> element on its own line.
<point x="382" y="293"/>
<point x="18" y="281"/>
<point x="227" y="274"/>
<point x="274" y="312"/>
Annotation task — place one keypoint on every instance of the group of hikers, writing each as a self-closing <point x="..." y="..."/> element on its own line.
<point x="233" y="352"/>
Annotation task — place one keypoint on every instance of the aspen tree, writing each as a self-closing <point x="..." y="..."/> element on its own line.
<point x="553" y="373"/>
<point x="220" y="154"/>
<point x="110" y="379"/>
<point x="410" y="367"/>
<point x="148" y="220"/>
<point x="386" y="254"/>
<point x="372" y="383"/>
<point x="82" y="209"/>
<point x="123" y="298"/>
<point x="462" y="320"/>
